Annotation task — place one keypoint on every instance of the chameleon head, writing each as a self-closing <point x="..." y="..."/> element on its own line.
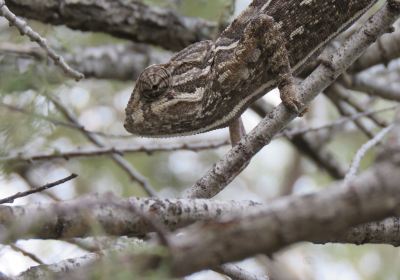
<point x="156" y="108"/>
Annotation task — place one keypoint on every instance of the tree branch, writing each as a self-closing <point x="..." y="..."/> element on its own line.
<point x="237" y="273"/>
<point x="80" y="215"/>
<point x="355" y="164"/>
<point x="50" y="271"/>
<point x="376" y="88"/>
<point x="346" y="110"/>
<point x="125" y="19"/>
<point x="306" y="144"/>
<point x="114" y="216"/>
<point x="11" y="199"/>
<point x="69" y="267"/>
<point x="383" y="51"/>
<point x="321" y="217"/>
<point x="386" y="231"/>
<point x="372" y="196"/>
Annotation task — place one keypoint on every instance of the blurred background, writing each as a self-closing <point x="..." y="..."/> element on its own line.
<point x="31" y="124"/>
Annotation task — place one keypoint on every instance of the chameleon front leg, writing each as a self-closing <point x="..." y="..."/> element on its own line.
<point x="263" y="33"/>
<point x="262" y="48"/>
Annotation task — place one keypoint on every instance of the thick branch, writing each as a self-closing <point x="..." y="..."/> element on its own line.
<point x="314" y="217"/>
<point x="382" y="232"/>
<point x="76" y="218"/>
<point x="383" y="51"/>
<point x="372" y="196"/>
<point x="125" y="19"/>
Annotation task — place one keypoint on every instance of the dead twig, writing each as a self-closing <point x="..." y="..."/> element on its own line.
<point x="11" y="199"/>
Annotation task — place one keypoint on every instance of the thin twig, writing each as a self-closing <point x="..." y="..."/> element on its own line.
<point x="26" y="253"/>
<point x="346" y="110"/>
<point x="11" y="199"/>
<point x="335" y="123"/>
<point x="59" y="122"/>
<point x="344" y="95"/>
<point x="374" y="87"/>
<point x="362" y="151"/>
<point x="23" y="172"/>
<point x="133" y="148"/>
<point x="169" y="147"/>
<point x="288" y="133"/>
<point x="25" y="29"/>
<point x="39" y="116"/>
<point x="118" y="159"/>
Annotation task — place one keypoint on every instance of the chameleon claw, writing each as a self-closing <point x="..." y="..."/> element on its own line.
<point x="298" y="104"/>
<point x="288" y="93"/>
<point x="294" y="106"/>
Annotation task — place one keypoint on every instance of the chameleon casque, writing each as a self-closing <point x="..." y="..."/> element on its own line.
<point x="209" y="84"/>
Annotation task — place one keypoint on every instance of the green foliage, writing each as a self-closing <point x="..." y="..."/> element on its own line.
<point x="208" y="9"/>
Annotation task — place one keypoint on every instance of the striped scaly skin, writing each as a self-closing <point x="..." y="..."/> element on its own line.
<point x="209" y="84"/>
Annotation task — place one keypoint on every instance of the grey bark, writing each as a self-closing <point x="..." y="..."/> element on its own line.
<point x="117" y="217"/>
<point x="372" y="196"/>
<point x="130" y="20"/>
<point x="114" y="216"/>
<point x="383" y="51"/>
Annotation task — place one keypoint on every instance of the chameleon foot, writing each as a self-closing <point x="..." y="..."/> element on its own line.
<point x="288" y="94"/>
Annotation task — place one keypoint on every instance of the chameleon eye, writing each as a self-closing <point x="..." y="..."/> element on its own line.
<point x="154" y="81"/>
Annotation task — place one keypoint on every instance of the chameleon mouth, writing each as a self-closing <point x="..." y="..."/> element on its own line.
<point x="133" y="123"/>
<point x="127" y="124"/>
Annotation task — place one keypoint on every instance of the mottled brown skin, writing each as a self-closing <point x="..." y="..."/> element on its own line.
<point x="207" y="85"/>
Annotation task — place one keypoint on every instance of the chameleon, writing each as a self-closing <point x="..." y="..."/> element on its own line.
<point x="209" y="84"/>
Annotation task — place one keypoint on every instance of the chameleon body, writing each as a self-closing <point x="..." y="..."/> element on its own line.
<point x="209" y="84"/>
